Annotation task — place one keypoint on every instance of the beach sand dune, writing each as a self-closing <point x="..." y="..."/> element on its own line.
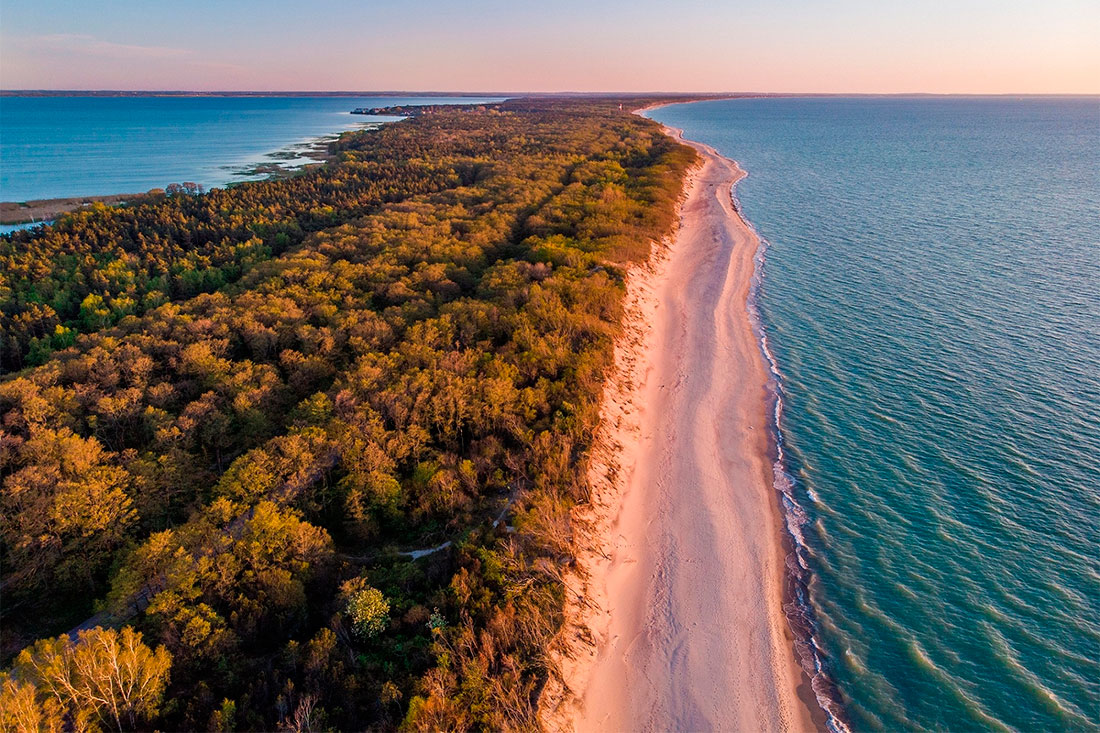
<point x="674" y="616"/>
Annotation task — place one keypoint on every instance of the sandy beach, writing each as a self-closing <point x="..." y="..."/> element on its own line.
<point x="674" y="616"/>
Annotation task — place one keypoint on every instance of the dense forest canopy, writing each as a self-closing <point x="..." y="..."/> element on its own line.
<point x="300" y="454"/>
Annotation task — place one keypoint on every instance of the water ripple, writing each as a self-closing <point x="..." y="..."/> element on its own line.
<point x="931" y="294"/>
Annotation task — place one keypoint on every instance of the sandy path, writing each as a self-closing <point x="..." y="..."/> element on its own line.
<point x="676" y="614"/>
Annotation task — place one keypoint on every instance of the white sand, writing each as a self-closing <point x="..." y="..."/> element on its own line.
<point x="674" y="616"/>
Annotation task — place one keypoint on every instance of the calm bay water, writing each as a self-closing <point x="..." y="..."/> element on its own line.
<point x="931" y="296"/>
<point x="54" y="147"/>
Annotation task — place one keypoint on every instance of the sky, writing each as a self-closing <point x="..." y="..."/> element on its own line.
<point x="819" y="46"/>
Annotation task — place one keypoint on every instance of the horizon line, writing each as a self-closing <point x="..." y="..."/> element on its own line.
<point x="517" y="94"/>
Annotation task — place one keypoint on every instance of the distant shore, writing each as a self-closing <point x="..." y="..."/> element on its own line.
<point x="313" y="153"/>
<point x="184" y="93"/>
<point x="675" y="617"/>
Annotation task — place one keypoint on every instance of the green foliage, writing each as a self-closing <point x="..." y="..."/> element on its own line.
<point x="241" y="406"/>
<point x="224" y="717"/>
<point x="366" y="607"/>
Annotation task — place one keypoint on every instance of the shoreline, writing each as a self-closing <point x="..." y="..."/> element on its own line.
<point x="683" y="447"/>
<point x="276" y="164"/>
<point x="823" y="697"/>
<point x="819" y="691"/>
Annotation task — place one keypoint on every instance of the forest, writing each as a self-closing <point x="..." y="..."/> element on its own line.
<point x="300" y="454"/>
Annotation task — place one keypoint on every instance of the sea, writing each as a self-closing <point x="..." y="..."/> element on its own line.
<point x="928" y="294"/>
<point x="58" y="147"/>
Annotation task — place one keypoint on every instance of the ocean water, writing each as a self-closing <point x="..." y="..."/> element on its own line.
<point x="929" y="291"/>
<point x="55" y="147"/>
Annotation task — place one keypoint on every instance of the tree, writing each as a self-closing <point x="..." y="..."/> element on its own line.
<point x="104" y="676"/>
<point x="367" y="608"/>
<point x="65" y="512"/>
<point x="21" y="710"/>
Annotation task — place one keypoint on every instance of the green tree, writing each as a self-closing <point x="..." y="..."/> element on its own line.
<point x="367" y="608"/>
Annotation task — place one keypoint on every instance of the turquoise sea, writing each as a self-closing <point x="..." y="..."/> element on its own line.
<point x="929" y="293"/>
<point x="55" y="147"/>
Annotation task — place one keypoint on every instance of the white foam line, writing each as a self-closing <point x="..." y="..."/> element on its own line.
<point x="795" y="515"/>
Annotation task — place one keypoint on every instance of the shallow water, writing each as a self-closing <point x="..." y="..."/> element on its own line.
<point x="931" y="294"/>
<point x="56" y="147"/>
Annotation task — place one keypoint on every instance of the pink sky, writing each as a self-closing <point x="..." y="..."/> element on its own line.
<point x="969" y="46"/>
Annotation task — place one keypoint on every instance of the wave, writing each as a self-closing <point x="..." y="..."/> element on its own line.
<point x="800" y="612"/>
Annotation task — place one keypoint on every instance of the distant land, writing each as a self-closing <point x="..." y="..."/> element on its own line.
<point x="185" y="93"/>
<point x="368" y="93"/>
<point x="685" y="96"/>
